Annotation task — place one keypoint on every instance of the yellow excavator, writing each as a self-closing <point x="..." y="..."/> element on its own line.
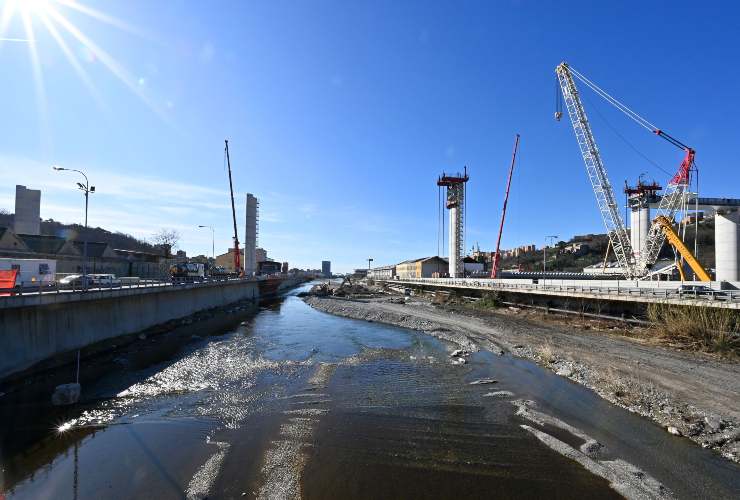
<point x="667" y="226"/>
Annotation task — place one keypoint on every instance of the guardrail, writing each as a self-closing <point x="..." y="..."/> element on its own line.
<point x="656" y="293"/>
<point x="56" y="288"/>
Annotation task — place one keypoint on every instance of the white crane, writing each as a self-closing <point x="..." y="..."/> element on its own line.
<point x="673" y="196"/>
<point x="596" y="171"/>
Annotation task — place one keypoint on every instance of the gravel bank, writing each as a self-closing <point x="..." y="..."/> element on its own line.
<point x="689" y="394"/>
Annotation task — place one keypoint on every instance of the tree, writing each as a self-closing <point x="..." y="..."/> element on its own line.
<point x="166" y="239"/>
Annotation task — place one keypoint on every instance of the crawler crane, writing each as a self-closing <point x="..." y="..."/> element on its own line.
<point x="673" y="196"/>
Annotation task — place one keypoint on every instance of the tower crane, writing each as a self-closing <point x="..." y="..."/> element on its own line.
<point x="673" y="195"/>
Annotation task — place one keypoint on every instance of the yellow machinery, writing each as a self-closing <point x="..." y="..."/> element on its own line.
<point x="667" y="226"/>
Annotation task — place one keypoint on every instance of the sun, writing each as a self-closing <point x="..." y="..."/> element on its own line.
<point x="54" y="18"/>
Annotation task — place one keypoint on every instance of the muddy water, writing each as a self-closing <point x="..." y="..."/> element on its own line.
<point x="290" y="402"/>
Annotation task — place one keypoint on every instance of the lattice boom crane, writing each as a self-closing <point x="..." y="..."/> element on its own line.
<point x="672" y="198"/>
<point x="596" y="171"/>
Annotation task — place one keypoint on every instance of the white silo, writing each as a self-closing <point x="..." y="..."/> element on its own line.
<point x="726" y="245"/>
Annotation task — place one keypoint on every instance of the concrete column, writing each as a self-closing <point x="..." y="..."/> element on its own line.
<point x="639" y="229"/>
<point x="726" y="246"/>
<point x="454" y="243"/>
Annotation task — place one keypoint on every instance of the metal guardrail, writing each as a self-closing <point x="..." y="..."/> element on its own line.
<point x="656" y="293"/>
<point x="56" y="288"/>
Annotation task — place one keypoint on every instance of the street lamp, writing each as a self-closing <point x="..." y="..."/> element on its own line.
<point x="213" y="242"/>
<point x="369" y="260"/>
<point x="552" y="239"/>
<point x="87" y="189"/>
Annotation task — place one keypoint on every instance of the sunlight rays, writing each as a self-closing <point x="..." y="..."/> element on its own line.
<point x="38" y="78"/>
<point x="48" y="15"/>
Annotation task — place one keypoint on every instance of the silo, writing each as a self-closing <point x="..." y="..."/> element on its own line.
<point x="726" y="245"/>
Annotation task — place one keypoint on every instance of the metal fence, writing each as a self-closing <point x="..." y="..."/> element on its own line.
<point x="607" y="291"/>
<point x="56" y="288"/>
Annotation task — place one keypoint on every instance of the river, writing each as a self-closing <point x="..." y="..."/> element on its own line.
<point x="284" y="401"/>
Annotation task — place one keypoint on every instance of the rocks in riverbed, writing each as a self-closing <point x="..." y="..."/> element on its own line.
<point x="498" y="394"/>
<point x="66" y="394"/>
<point x="484" y="381"/>
<point x="673" y="430"/>
<point x="459" y="353"/>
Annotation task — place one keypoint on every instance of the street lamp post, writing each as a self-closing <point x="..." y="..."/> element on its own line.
<point x="87" y="189"/>
<point x="552" y="239"/>
<point x="213" y="243"/>
<point x="369" y="260"/>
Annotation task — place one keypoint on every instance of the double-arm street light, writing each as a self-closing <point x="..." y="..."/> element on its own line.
<point x="87" y="189"/>
<point x="213" y="242"/>
<point x="552" y="239"/>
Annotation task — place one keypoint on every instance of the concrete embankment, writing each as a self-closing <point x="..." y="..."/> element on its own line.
<point x="689" y="394"/>
<point x="36" y="328"/>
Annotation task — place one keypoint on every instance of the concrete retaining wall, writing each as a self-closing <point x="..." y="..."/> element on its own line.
<point x="35" y="328"/>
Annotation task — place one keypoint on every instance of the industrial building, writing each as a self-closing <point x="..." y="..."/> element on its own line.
<point x="382" y="272"/>
<point x="426" y="267"/>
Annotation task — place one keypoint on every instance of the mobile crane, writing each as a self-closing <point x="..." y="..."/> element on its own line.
<point x="666" y="227"/>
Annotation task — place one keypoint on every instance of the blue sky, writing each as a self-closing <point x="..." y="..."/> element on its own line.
<point x="341" y="115"/>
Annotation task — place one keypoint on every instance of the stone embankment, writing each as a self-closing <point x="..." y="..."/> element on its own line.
<point x="689" y="394"/>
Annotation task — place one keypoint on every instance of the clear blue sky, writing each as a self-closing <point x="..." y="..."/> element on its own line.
<point x="341" y="115"/>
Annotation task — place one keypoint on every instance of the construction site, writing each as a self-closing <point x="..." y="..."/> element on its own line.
<point x="652" y="255"/>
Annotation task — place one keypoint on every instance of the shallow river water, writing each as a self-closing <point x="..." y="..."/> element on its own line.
<point x="288" y="402"/>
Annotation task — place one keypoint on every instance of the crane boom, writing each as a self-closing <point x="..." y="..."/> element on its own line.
<point x="596" y="171"/>
<point x="497" y="255"/>
<point x="237" y="256"/>
<point x="666" y="227"/>
<point x="672" y="199"/>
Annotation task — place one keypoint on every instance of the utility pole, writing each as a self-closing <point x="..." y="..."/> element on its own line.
<point x="213" y="242"/>
<point x="552" y="239"/>
<point x="87" y="189"/>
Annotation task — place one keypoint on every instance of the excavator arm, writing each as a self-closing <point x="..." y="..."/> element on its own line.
<point x="667" y="227"/>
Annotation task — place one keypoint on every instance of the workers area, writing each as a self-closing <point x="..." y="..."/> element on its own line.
<point x="666" y="240"/>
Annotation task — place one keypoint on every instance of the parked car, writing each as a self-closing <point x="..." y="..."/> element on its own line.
<point x="71" y="280"/>
<point x="694" y="289"/>
<point x="103" y="280"/>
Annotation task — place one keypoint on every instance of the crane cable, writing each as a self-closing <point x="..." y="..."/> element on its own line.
<point x="615" y="102"/>
<point x="625" y="140"/>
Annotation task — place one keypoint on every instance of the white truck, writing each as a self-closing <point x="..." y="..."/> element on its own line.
<point x="31" y="272"/>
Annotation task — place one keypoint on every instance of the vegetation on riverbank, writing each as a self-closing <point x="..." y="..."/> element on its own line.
<point x="703" y="328"/>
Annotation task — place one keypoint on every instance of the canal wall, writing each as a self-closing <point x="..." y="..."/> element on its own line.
<point x="34" y="328"/>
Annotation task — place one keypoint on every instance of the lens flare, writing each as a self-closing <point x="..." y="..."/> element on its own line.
<point x="50" y="15"/>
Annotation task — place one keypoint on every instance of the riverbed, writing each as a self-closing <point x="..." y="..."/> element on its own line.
<point x="290" y="402"/>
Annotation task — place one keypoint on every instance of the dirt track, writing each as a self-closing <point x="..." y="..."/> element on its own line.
<point x="689" y="393"/>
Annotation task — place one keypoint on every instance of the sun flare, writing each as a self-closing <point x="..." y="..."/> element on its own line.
<point x="52" y="17"/>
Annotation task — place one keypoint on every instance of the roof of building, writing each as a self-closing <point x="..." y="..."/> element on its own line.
<point x="41" y="243"/>
<point x="94" y="248"/>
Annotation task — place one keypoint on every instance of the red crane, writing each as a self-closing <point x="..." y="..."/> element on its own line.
<point x="497" y="255"/>
<point x="237" y="256"/>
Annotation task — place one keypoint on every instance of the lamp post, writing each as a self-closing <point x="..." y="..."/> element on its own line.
<point x="213" y="243"/>
<point x="552" y="239"/>
<point x="87" y="189"/>
<point x="369" y="260"/>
